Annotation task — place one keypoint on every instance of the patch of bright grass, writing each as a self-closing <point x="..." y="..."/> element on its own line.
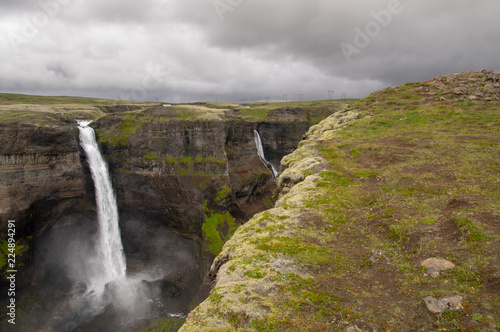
<point x="213" y="230"/>
<point x="223" y="193"/>
<point x="164" y="324"/>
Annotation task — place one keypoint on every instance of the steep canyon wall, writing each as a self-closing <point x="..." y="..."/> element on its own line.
<point x="184" y="181"/>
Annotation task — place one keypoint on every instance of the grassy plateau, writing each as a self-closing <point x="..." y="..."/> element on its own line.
<point x="410" y="173"/>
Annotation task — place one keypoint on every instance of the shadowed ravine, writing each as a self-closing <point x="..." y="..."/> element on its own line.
<point x="120" y="226"/>
<point x="105" y="288"/>
<point x="105" y="285"/>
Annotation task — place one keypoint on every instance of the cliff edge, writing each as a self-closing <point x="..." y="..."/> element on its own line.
<point x="388" y="219"/>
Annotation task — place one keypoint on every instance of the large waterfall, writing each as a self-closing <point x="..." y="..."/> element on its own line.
<point x="109" y="290"/>
<point x="260" y="153"/>
<point x="109" y="245"/>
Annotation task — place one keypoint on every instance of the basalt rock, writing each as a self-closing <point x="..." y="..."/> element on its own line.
<point x="39" y="165"/>
<point x="174" y="166"/>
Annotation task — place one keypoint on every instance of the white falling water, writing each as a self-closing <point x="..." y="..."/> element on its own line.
<point x="109" y="244"/>
<point x="105" y="271"/>
<point x="260" y="153"/>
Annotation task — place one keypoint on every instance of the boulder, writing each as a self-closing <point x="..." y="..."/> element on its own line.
<point x="434" y="266"/>
<point x="450" y="303"/>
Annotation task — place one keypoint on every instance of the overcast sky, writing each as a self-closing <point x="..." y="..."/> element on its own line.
<point x="234" y="50"/>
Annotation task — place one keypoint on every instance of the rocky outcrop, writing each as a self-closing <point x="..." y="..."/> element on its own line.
<point x="473" y="85"/>
<point x="170" y="166"/>
<point x="241" y="293"/>
<point x="38" y="164"/>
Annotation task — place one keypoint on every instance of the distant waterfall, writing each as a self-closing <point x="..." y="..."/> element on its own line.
<point x="109" y="244"/>
<point x="260" y="153"/>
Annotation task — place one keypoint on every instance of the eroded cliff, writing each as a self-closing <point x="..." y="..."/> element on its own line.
<point x="185" y="178"/>
<point x="387" y="220"/>
<point x="174" y="161"/>
<point x="37" y="164"/>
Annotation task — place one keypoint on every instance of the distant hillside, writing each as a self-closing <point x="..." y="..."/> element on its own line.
<point x="52" y="110"/>
<point x="47" y="110"/>
<point x="388" y="219"/>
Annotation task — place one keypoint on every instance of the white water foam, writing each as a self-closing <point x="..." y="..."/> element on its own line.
<point x="106" y="282"/>
<point x="109" y="244"/>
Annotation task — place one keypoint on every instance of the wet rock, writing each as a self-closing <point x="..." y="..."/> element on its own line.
<point x="436" y="306"/>
<point x="435" y="265"/>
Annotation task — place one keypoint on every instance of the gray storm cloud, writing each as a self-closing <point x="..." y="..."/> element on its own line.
<point x="239" y="49"/>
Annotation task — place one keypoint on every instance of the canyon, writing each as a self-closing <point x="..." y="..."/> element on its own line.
<point x="406" y="176"/>
<point x="185" y="177"/>
<point x="383" y="216"/>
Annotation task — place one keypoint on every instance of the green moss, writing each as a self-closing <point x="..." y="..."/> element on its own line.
<point x="120" y="133"/>
<point x="237" y="319"/>
<point x="187" y="166"/>
<point x="268" y="201"/>
<point x="215" y="297"/>
<point x="223" y="193"/>
<point x="150" y="155"/>
<point x="217" y="229"/>
<point x="355" y="153"/>
<point x="300" y="250"/>
<point x="186" y="115"/>
<point x="253" y="114"/>
<point x="164" y="324"/>
<point x="11" y="253"/>
<point x="430" y="221"/>
<point x="254" y="273"/>
<point x="399" y="233"/>
<point x="334" y="178"/>
<point x="472" y="232"/>
<point x="264" y="325"/>
<point x="170" y="160"/>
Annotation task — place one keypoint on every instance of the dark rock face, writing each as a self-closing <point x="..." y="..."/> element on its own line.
<point x="283" y="132"/>
<point x="173" y="168"/>
<point x="38" y="165"/>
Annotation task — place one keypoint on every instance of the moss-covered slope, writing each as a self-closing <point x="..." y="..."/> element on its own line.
<point x="404" y="175"/>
